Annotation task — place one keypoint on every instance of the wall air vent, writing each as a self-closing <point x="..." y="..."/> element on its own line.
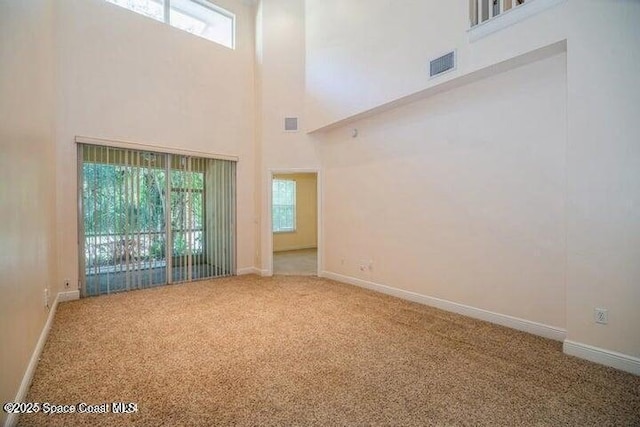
<point x="442" y="64"/>
<point x="290" y="124"/>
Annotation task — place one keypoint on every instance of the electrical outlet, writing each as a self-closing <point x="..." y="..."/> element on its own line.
<point x="66" y="283"/>
<point x="601" y="316"/>
<point x="366" y="265"/>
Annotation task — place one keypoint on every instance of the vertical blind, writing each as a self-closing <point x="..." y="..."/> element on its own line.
<point x="149" y="218"/>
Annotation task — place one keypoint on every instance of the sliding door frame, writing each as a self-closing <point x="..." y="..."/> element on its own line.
<point x="82" y="267"/>
<point x="168" y="229"/>
<point x="82" y="141"/>
<point x="130" y="145"/>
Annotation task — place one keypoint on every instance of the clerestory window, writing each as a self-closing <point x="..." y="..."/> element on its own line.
<point x="198" y="17"/>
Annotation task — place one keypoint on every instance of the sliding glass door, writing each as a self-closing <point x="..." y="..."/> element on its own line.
<point x="148" y="219"/>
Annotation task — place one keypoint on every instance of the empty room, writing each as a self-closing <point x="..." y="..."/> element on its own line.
<point x="319" y="212"/>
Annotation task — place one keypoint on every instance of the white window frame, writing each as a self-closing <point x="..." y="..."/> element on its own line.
<point x="204" y="3"/>
<point x="293" y="205"/>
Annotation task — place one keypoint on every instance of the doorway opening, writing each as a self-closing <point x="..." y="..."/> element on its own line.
<point x="294" y="223"/>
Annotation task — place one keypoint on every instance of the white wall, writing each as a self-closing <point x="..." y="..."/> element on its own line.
<point x="27" y="258"/>
<point x="604" y="174"/>
<point x="555" y="223"/>
<point x="281" y="86"/>
<point x="460" y="196"/>
<point x="364" y="53"/>
<point x="127" y="77"/>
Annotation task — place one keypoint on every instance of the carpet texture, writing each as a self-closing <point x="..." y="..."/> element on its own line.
<point x="308" y="351"/>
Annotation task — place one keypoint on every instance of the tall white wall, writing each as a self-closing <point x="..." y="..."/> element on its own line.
<point x="280" y="68"/>
<point x="364" y="53"/>
<point x="604" y="174"/>
<point x="123" y="76"/>
<point x="460" y="196"/>
<point x="27" y="250"/>
<point x="518" y="193"/>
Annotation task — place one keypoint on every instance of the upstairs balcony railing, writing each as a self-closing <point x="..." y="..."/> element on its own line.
<point x="483" y="10"/>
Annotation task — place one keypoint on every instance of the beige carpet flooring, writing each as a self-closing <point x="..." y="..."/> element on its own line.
<point x="303" y="262"/>
<point x="308" y="351"/>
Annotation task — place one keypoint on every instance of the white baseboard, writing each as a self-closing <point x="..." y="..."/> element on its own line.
<point x="296" y="248"/>
<point x="531" y="327"/>
<point x="251" y="270"/>
<point x="247" y="270"/>
<point x="604" y="357"/>
<point x="12" y="419"/>
<point x="68" y="296"/>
